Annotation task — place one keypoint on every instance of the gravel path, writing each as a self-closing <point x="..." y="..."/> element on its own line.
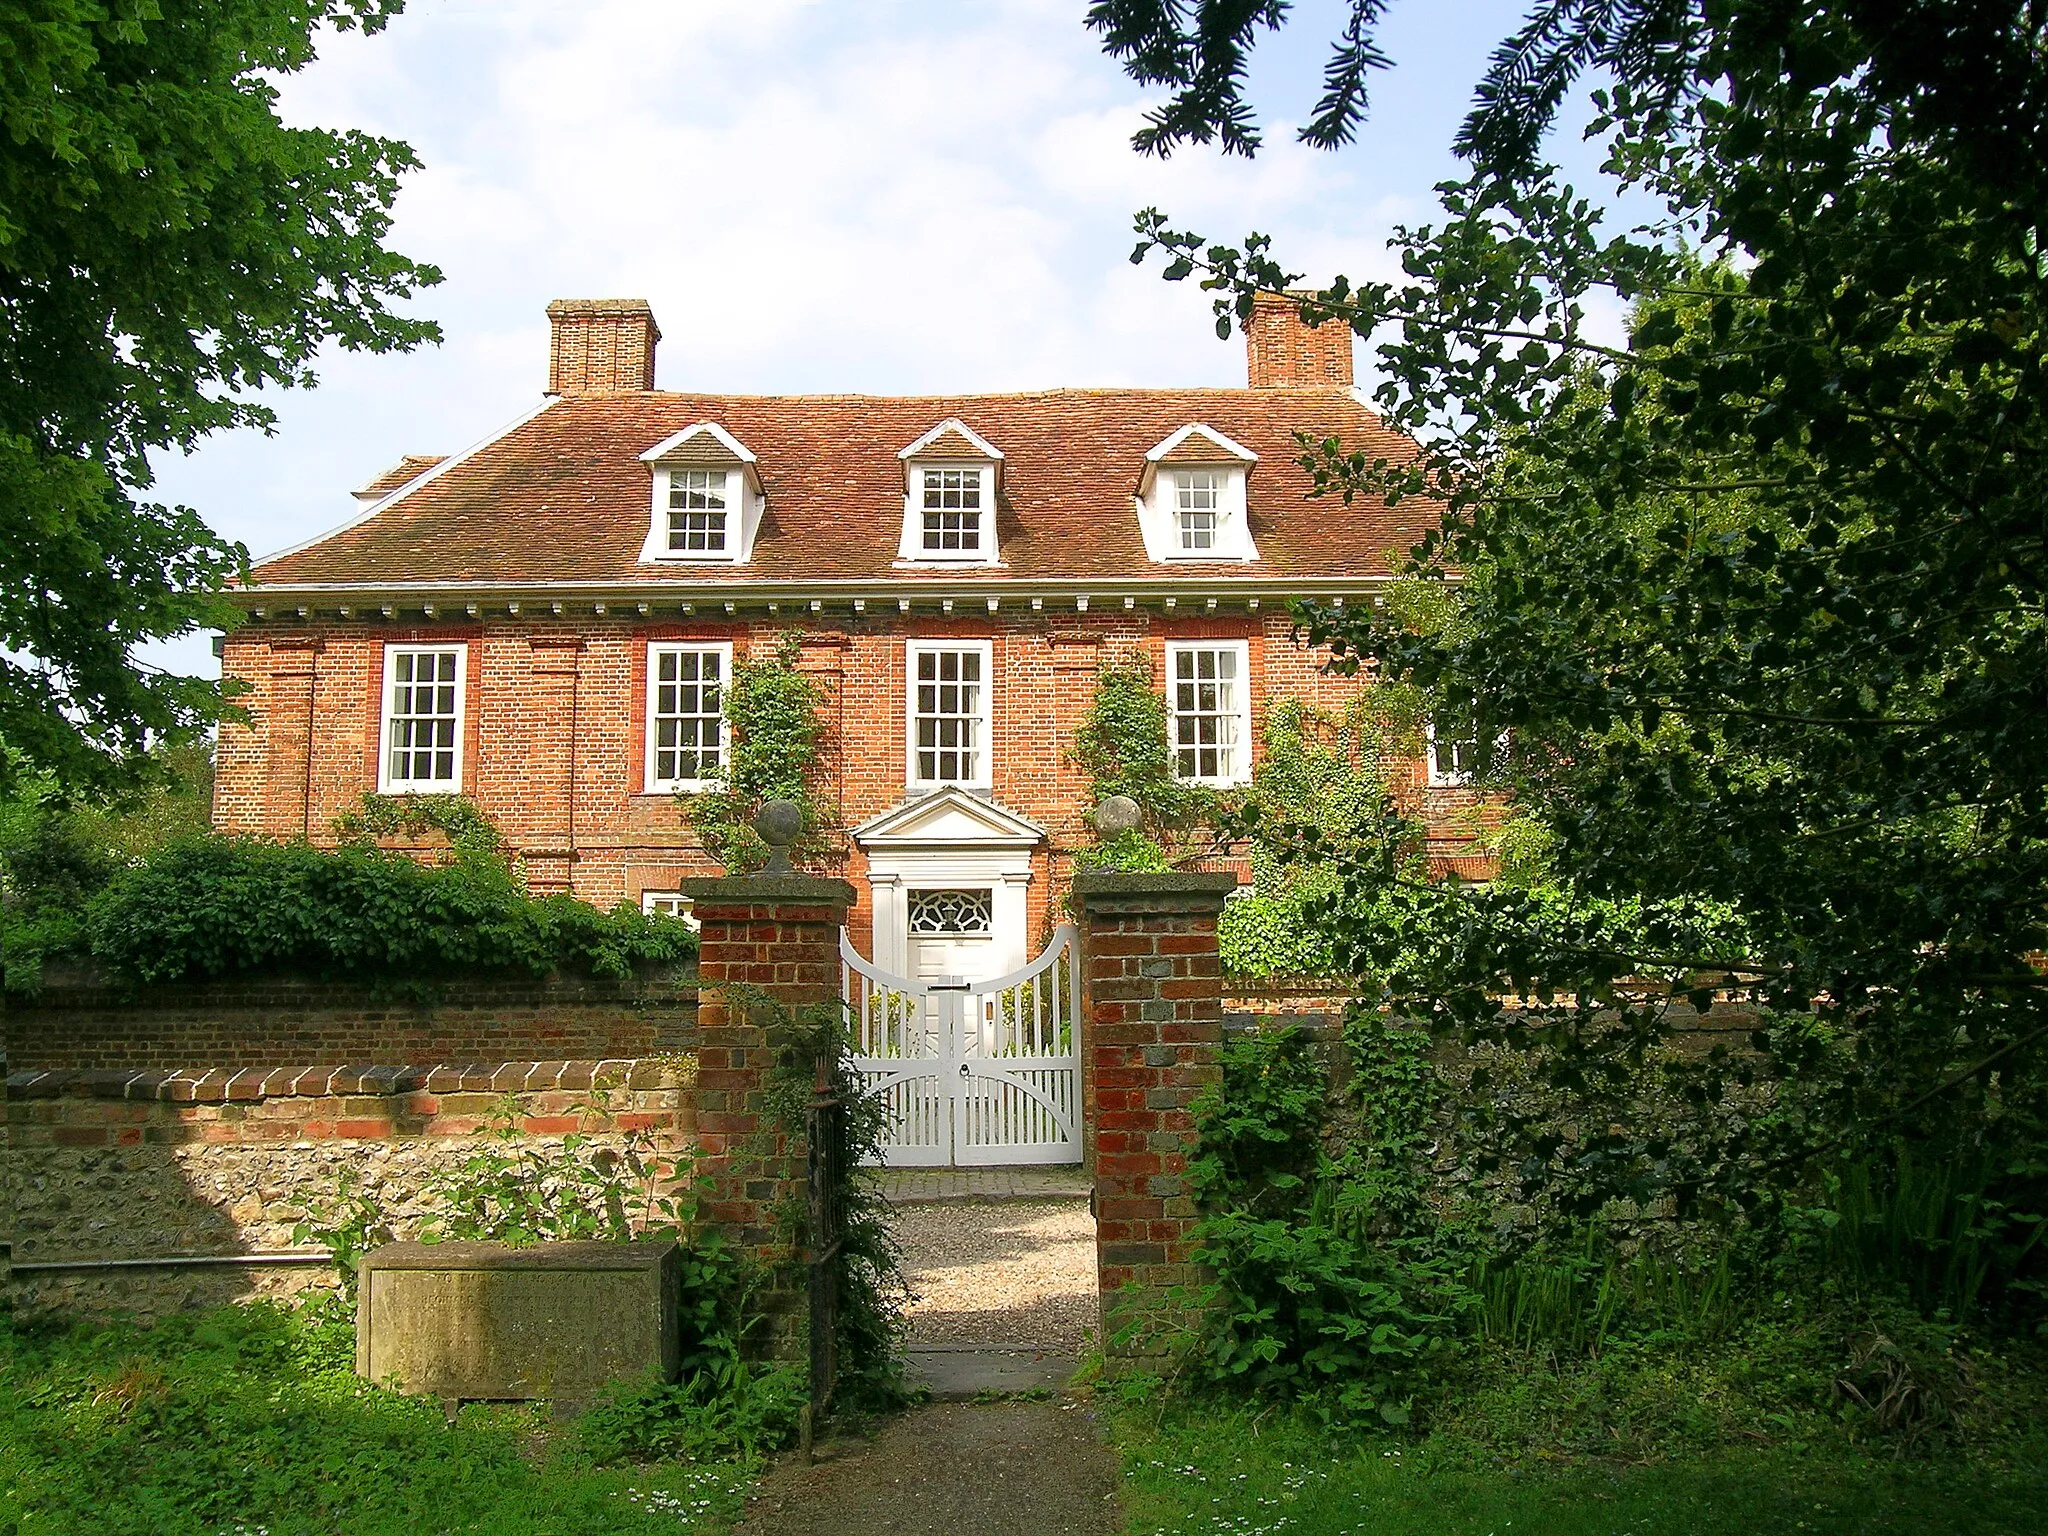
<point x="1018" y="1273"/>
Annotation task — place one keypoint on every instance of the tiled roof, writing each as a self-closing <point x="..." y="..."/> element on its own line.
<point x="563" y="497"/>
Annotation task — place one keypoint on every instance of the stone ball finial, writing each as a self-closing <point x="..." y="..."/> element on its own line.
<point x="1119" y="813"/>
<point x="779" y="822"/>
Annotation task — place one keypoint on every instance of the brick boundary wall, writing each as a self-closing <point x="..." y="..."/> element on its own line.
<point x="1153" y="1038"/>
<point x="84" y="1021"/>
<point x="768" y="947"/>
<point x="129" y="1165"/>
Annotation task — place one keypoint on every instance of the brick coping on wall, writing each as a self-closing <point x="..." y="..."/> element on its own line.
<point x="68" y="985"/>
<point x="194" y="1085"/>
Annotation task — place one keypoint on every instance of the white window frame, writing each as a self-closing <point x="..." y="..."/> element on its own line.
<point x="1241" y="710"/>
<point x="386" y="783"/>
<point x="728" y="511"/>
<point x="970" y="474"/>
<point x="744" y="499"/>
<point x="911" y="548"/>
<point x="1185" y="509"/>
<point x="1158" y="497"/>
<point x="685" y="909"/>
<point x="719" y="648"/>
<point x="1437" y="776"/>
<point x="985" y="767"/>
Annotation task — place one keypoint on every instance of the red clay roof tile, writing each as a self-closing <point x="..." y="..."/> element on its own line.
<point x="564" y="497"/>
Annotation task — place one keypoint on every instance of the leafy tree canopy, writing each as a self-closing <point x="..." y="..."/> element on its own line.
<point x="167" y="246"/>
<point x="1756" y="594"/>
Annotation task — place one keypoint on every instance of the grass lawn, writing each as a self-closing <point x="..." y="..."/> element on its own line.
<point x="1215" y="1473"/>
<point x="250" y="1420"/>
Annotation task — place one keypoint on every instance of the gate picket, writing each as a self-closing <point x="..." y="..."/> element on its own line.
<point x="973" y="1073"/>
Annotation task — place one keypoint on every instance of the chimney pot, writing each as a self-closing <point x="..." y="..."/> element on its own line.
<point x="601" y="346"/>
<point x="1283" y="352"/>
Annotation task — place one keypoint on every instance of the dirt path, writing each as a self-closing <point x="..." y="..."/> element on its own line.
<point x="1003" y="1264"/>
<point x="952" y="1469"/>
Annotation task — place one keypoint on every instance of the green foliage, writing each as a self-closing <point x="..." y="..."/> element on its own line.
<point x="1122" y="747"/>
<point x="251" y="1418"/>
<point x="871" y="1287"/>
<point x="771" y="710"/>
<point x="519" y="1189"/>
<point x="735" y="1407"/>
<point x="412" y="817"/>
<point x="1131" y="851"/>
<point x="1310" y="1297"/>
<point x="57" y="851"/>
<point x="168" y="249"/>
<point x="1635" y="1446"/>
<point x="1318" y="796"/>
<point x="223" y="906"/>
<point x="348" y="1221"/>
<point x="1753" y="600"/>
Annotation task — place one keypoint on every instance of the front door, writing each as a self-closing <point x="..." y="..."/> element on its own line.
<point x="972" y="1072"/>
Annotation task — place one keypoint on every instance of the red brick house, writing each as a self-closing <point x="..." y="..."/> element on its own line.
<point x="544" y="622"/>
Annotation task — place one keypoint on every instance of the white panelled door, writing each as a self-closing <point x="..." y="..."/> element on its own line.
<point x="973" y="1072"/>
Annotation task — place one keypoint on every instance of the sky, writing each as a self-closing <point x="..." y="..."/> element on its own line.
<point x="816" y="196"/>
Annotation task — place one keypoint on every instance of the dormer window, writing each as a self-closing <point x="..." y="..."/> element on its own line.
<point x="707" y="498"/>
<point x="1197" y="495"/>
<point x="1191" y="498"/>
<point x="952" y="512"/>
<point x="949" y="497"/>
<point x="696" y="511"/>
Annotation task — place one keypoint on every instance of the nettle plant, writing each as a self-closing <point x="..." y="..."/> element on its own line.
<point x="772" y="713"/>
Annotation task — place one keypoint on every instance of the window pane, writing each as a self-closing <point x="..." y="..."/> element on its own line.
<point x="1204" y="701"/>
<point x="946" y="717"/>
<point x="421" y="718"/>
<point x="688" y="728"/>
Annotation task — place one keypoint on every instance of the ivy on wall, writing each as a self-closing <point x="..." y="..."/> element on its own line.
<point x="1321" y="772"/>
<point x="1122" y="746"/>
<point x="772" y="714"/>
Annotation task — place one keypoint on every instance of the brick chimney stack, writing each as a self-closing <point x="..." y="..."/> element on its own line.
<point x="1283" y="353"/>
<point x="601" y="346"/>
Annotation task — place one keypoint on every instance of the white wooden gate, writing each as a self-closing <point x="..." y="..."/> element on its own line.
<point x="973" y="1072"/>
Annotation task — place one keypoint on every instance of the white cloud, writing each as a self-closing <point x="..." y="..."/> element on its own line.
<point x="879" y="197"/>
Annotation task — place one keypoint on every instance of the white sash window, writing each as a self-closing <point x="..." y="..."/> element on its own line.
<point x="1209" y="712"/>
<point x="686" y="734"/>
<point x="421" y="751"/>
<point x="949" y="714"/>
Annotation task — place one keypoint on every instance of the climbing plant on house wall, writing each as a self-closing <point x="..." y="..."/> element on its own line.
<point x="1320" y="770"/>
<point x="1122" y="747"/>
<point x="772" y="714"/>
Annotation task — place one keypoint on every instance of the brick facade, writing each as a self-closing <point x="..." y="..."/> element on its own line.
<point x="252" y="1026"/>
<point x="769" y="951"/>
<point x="555" y="729"/>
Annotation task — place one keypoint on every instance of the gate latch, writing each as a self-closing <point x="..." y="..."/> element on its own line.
<point x="963" y="1069"/>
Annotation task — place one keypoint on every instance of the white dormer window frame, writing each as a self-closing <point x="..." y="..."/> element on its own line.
<point x="1191" y="500"/>
<point x="704" y="512"/>
<point x="950" y="480"/>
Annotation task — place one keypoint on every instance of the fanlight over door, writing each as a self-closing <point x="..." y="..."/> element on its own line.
<point x="972" y="1072"/>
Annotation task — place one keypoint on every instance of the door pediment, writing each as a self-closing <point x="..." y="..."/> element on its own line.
<point x="950" y="818"/>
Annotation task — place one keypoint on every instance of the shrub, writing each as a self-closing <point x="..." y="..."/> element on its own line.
<point x="226" y="906"/>
<point x="1310" y="1297"/>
